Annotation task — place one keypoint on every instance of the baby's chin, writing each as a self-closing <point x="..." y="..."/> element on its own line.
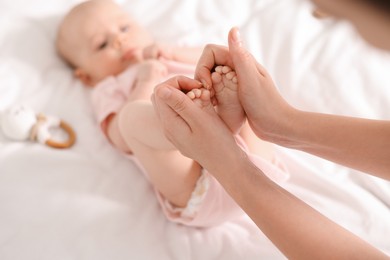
<point x="117" y="70"/>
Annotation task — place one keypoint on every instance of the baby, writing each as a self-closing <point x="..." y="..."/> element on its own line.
<point x="119" y="60"/>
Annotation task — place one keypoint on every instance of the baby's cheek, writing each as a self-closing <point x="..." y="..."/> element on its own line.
<point x="113" y="68"/>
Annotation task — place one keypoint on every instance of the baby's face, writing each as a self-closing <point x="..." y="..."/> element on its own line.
<point x="103" y="41"/>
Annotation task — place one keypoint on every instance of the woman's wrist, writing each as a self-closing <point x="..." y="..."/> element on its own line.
<point x="232" y="168"/>
<point x="285" y="131"/>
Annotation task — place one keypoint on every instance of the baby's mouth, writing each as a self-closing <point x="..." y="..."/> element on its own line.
<point x="130" y="55"/>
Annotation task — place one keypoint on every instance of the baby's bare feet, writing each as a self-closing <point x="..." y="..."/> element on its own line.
<point x="229" y="108"/>
<point x="201" y="97"/>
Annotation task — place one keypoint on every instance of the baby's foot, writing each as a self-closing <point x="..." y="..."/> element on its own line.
<point x="226" y="93"/>
<point x="201" y="97"/>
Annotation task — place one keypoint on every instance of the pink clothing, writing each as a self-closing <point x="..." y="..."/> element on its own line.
<point x="217" y="206"/>
<point x="109" y="96"/>
<point x="209" y="204"/>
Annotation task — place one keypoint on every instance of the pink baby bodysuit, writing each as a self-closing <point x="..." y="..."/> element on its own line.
<point x="209" y="204"/>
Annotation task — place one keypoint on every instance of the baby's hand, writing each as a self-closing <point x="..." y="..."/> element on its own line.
<point x="156" y="51"/>
<point x="150" y="73"/>
<point x="151" y="70"/>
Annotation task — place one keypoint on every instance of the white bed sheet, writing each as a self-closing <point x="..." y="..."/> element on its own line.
<point x="89" y="202"/>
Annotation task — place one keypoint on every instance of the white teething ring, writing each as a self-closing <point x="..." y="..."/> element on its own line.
<point x="68" y="143"/>
<point x="42" y="122"/>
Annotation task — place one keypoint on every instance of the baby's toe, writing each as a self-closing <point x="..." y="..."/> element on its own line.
<point x="219" y="69"/>
<point x="191" y="94"/>
<point x="197" y="92"/>
<point x="226" y="69"/>
<point x="230" y="75"/>
<point x="205" y="95"/>
<point x="216" y="77"/>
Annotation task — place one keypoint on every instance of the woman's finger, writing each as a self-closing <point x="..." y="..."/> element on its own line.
<point x="212" y="55"/>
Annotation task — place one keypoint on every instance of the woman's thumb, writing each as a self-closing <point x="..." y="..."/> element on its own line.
<point x="235" y="38"/>
<point x="242" y="59"/>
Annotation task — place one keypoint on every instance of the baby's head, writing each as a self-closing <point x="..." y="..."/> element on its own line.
<point x="98" y="39"/>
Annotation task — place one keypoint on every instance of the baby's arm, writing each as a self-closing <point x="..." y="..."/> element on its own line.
<point x="185" y="54"/>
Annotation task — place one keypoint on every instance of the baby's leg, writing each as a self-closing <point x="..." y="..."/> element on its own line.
<point x="201" y="97"/>
<point x="171" y="173"/>
<point x="226" y="92"/>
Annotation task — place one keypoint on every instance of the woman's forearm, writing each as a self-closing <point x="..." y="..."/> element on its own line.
<point x="358" y="143"/>
<point x="298" y="230"/>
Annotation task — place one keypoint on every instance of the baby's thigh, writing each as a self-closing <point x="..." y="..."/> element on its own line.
<point x="115" y="136"/>
<point x="124" y="125"/>
<point x="138" y="123"/>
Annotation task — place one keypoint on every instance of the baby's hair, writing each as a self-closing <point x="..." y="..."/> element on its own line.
<point x="60" y="53"/>
<point x="63" y="43"/>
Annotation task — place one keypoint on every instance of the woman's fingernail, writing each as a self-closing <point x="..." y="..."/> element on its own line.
<point x="204" y="84"/>
<point x="164" y="92"/>
<point x="237" y="37"/>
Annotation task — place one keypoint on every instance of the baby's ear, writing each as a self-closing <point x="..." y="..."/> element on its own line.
<point x="83" y="77"/>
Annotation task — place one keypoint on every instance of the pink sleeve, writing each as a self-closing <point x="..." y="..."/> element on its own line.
<point x="107" y="99"/>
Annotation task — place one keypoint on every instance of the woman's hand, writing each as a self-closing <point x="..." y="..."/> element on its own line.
<point x="197" y="131"/>
<point x="267" y="112"/>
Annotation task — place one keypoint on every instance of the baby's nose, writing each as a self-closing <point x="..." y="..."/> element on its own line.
<point x="119" y="41"/>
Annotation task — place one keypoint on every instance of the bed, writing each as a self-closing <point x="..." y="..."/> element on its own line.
<point x="90" y="202"/>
